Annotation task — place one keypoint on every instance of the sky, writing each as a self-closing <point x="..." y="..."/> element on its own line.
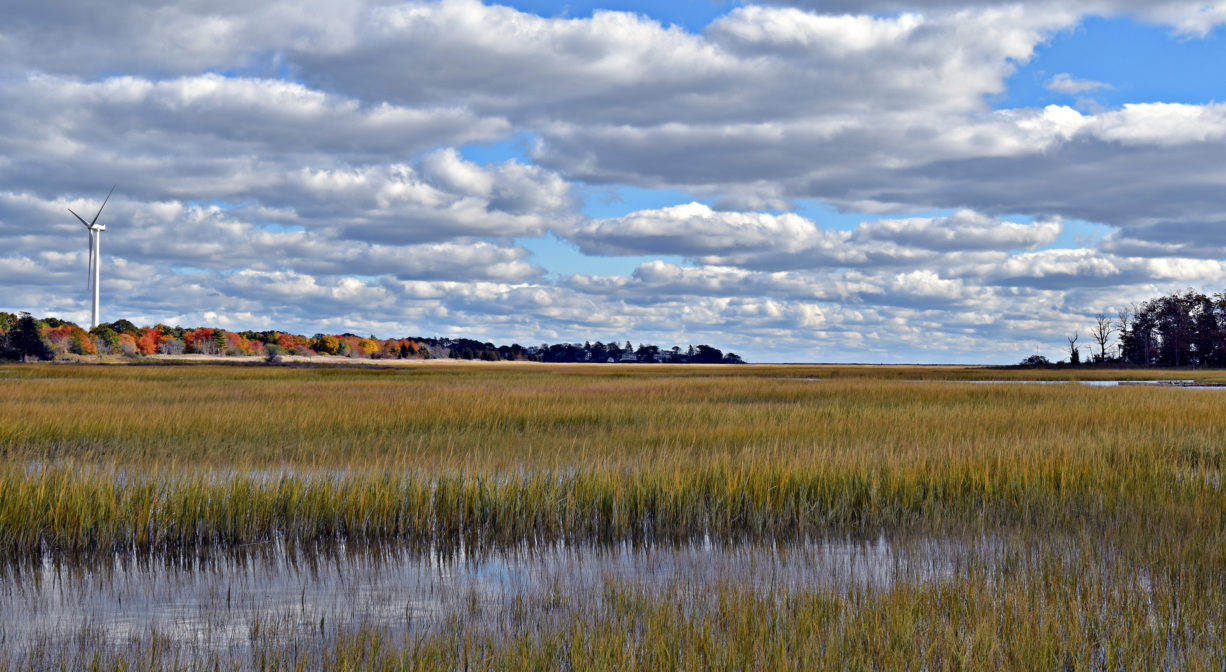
<point x="928" y="181"/>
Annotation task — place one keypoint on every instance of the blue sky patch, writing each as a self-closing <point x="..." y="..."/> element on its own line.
<point x="693" y="15"/>
<point x="1138" y="61"/>
<point x="607" y="201"/>
<point x="517" y="148"/>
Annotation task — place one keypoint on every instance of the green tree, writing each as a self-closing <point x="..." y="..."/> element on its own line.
<point x="105" y="339"/>
<point x="124" y="327"/>
<point x="24" y="340"/>
<point x="219" y="341"/>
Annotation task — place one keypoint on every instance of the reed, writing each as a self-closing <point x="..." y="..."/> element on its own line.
<point x="1049" y="612"/>
<point x="168" y="460"/>
<point x="84" y="509"/>
<point x="506" y="418"/>
<point x="177" y="457"/>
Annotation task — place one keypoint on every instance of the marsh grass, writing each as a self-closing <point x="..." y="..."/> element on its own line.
<point x="500" y="418"/>
<point x="1042" y="610"/>
<point x="174" y="459"/>
<point x="89" y="510"/>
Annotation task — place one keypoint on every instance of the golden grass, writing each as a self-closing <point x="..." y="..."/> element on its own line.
<point x="1036" y="611"/>
<point x="171" y="458"/>
<point x="167" y="457"/>
<point x="483" y="419"/>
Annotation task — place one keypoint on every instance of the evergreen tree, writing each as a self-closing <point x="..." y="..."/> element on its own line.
<point x="24" y="340"/>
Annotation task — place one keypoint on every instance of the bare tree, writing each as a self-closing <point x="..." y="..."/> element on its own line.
<point x="1101" y="333"/>
<point x="1122" y="327"/>
<point x="1074" y="354"/>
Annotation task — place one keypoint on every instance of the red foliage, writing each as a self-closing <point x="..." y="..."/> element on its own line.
<point x="295" y="344"/>
<point x="352" y="342"/>
<point x="199" y="340"/>
<point x="235" y="342"/>
<point x="148" y="340"/>
<point x="71" y="338"/>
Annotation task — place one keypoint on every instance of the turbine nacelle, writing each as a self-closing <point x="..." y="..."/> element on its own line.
<point x="93" y="224"/>
<point x="91" y="227"/>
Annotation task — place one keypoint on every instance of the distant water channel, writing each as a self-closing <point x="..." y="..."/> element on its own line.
<point x="217" y="603"/>
<point x="1181" y="384"/>
<point x="1091" y="383"/>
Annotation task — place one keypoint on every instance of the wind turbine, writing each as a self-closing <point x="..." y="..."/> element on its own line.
<point x="95" y="239"/>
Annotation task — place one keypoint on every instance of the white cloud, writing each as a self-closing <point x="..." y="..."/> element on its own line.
<point x="1188" y="18"/>
<point x="768" y="241"/>
<point x="1066" y="83"/>
<point x="319" y="182"/>
<point x="963" y="230"/>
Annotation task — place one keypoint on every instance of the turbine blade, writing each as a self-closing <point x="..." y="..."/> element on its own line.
<point x="108" y="197"/>
<point x="79" y="218"/>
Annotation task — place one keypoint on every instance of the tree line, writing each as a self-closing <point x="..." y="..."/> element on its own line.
<point x="23" y="336"/>
<point x="1183" y="329"/>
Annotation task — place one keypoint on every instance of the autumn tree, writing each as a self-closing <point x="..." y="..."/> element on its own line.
<point x="147" y="340"/>
<point x="325" y="345"/>
<point x="294" y="344"/>
<point x="127" y="344"/>
<point x="106" y="340"/>
<point x="67" y="338"/>
<point x="199" y="340"/>
<point x="171" y="345"/>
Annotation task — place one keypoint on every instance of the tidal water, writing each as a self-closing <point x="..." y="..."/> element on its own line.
<point x="220" y="601"/>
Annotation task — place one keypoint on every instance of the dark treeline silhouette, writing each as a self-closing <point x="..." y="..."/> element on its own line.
<point x="1185" y="329"/>
<point x="26" y="337"/>
<point x="588" y="351"/>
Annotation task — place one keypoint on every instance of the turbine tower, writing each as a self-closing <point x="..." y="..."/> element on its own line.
<point x="95" y="240"/>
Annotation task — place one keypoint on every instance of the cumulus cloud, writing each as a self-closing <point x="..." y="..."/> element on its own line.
<point x="1191" y="18"/>
<point x="769" y="241"/>
<point x="298" y="165"/>
<point x="192" y="133"/>
<point x="963" y="230"/>
<point x="212" y="237"/>
<point x="1066" y="83"/>
<point x="695" y="230"/>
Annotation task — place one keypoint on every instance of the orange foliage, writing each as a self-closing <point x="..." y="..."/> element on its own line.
<point x="392" y="347"/>
<point x="148" y="340"/>
<point x="70" y="338"/>
<point x="295" y="343"/>
<point x="237" y="342"/>
<point x="199" y="340"/>
<point x="352" y="342"/>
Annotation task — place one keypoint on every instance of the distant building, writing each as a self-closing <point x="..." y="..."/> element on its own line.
<point x="629" y="357"/>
